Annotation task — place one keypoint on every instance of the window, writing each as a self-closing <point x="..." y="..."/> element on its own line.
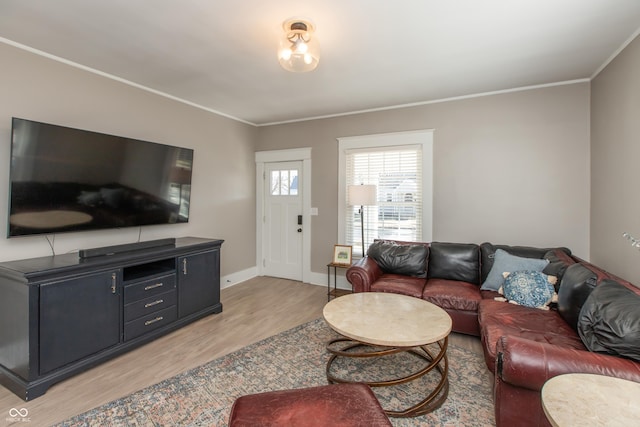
<point x="399" y="165"/>
<point x="397" y="175"/>
<point x="284" y="183"/>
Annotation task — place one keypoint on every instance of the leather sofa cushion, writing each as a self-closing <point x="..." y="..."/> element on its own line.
<point x="488" y="250"/>
<point x="499" y="318"/>
<point x="454" y="261"/>
<point x="399" y="284"/>
<point x="452" y="294"/>
<point x="407" y="259"/>
<point x="575" y="287"/>
<point x="559" y="261"/>
<point x="609" y="321"/>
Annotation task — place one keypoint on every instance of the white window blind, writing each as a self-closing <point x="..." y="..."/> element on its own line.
<point x="397" y="173"/>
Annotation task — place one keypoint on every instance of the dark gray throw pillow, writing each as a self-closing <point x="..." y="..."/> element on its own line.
<point x="406" y="259"/>
<point x="609" y="321"/>
<point x="577" y="284"/>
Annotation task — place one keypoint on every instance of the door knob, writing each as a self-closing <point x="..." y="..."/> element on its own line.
<point x="299" y="230"/>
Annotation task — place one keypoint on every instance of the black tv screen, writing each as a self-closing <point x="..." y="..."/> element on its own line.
<point x="64" y="179"/>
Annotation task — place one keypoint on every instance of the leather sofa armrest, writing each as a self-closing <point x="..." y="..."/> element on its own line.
<point x="363" y="273"/>
<point x="529" y="364"/>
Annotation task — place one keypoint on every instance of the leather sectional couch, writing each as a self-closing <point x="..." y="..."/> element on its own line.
<point x="523" y="346"/>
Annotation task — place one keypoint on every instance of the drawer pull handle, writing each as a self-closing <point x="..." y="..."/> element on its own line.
<point x="151" y="304"/>
<point x="157" y="285"/>
<point x="152" y="321"/>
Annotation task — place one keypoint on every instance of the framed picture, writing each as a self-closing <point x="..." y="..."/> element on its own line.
<point x="342" y="255"/>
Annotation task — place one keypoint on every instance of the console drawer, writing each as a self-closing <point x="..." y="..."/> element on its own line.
<point x="149" y="305"/>
<point x="149" y="288"/>
<point x="148" y="323"/>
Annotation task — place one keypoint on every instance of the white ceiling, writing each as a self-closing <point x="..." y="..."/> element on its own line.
<point x="221" y="54"/>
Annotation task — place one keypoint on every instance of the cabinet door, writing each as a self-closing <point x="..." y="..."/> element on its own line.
<point x="198" y="282"/>
<point x="78" y="317"/>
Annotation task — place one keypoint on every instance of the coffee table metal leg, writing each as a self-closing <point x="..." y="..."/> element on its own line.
<point x="433" y="400"/>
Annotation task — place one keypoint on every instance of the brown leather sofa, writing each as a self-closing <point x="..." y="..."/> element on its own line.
<point x="523" y="346"/>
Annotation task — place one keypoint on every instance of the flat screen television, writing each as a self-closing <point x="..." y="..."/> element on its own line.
<point x="64" y="179"/>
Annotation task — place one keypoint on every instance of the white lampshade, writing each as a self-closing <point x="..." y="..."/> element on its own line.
<point x="299" y="50"/>
<point x="362" y="195"/>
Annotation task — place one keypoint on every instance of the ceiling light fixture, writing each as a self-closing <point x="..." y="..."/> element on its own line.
<point x="299" y="51"/>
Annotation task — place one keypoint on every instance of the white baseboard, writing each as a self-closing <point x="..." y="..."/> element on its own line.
<point x="319" y="279"/>
<point x="238" y="277"/>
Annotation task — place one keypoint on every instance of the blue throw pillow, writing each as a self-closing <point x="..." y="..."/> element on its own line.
<point x="529" y="288"/>
<point x="505" y="262"/>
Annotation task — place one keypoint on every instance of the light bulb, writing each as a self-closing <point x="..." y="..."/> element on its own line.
<point x="301" y="46"/>
<point x="308" y="59"/>
<point x="285" y="54"/>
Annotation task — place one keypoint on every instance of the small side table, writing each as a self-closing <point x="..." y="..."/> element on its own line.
<point x="590" y="400"/>
<point x="335" y="292"/>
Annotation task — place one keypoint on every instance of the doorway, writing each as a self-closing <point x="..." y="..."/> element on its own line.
<point x="282" y="213"/>
<point x="283" y="226"/>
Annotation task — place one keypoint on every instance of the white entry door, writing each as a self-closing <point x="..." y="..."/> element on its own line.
<point x="283" y="228"/>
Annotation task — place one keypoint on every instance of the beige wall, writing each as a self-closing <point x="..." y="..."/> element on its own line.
<point x="615" y="152"/>
<point x="223" y="186"/>
<point x="510" y="168"/>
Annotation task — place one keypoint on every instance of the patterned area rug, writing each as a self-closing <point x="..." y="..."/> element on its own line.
<point x="293" y="359"/>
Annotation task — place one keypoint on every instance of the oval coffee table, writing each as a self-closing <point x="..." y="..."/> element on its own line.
<point x="379" y="324"/>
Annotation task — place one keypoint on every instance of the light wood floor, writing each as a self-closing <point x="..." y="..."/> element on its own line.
<point x="253" y="310"/>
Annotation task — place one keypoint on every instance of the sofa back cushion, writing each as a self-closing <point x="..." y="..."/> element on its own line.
<point x="559" y="261"/>
<point x="454" y="261"/>
<point x="488" y="250"/>
<point x="575" y="287"/>
<point x="609" y="320"/>
<point x="409" y="259"/>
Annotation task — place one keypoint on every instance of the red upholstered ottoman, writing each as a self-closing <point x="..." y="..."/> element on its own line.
<point x="336" y="405"/>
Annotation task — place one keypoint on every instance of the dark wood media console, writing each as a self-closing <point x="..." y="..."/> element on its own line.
<point x="61" y="315"/>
